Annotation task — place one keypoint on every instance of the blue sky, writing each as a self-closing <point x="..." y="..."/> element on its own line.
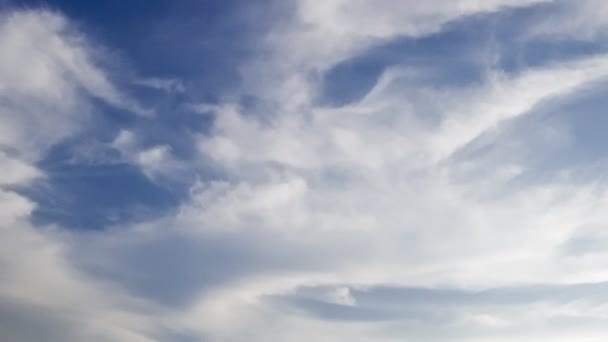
<point x="301" y="170"/>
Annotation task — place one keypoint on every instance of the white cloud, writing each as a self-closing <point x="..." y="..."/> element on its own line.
<point x="154" y="162"/>
<point x="342" y="296"/>
<point x="38" y="283"/>
<point x="581" y="20"/>
<point x="47" y="74"/>
<point x="16" y="172"/>
<point x="380" y="200"/>
<point x="335" y="30"/>
<point x="14" y="207"/>
<point x="320" y="36"/>
<point x="346" y="199"/>
<point x="168" y="85"/>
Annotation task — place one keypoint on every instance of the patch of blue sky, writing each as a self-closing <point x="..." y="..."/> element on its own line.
<point x="561" y="138"/>
<point x="445" y="58"/>
<point x="197" y="44"/>
<point x="94" y="194"/>
<point x="540" y="52"/>
<point x="459" y="54"/>
<point x="201" y="42"/>
<point x="90" y="185"/>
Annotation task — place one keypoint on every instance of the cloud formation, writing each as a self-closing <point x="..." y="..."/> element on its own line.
<point x="423" y="209"/>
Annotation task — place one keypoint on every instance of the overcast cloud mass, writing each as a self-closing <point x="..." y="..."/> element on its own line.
<point x="304" y="170"/>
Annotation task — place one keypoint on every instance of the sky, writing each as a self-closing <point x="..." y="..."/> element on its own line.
<point x="302" y="170"/>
